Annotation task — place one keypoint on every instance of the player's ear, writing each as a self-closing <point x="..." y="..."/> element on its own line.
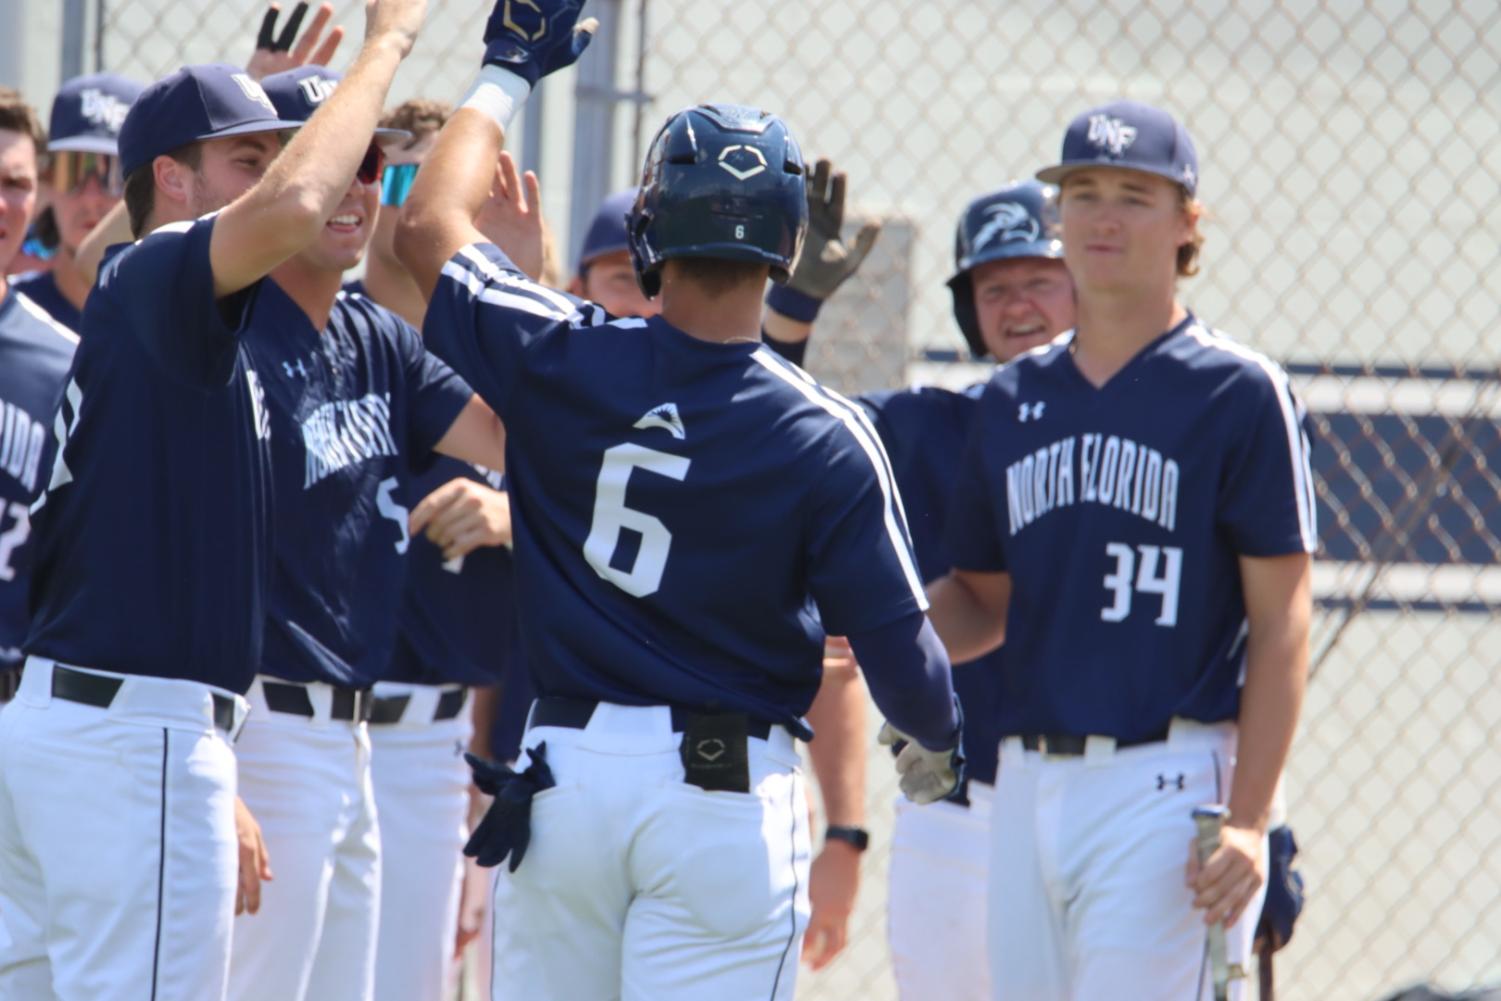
<point x="173" y="179"/>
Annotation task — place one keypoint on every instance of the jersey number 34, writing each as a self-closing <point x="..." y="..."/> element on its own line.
<point x="611" y="516"/>
<point x="1147" y="580"/>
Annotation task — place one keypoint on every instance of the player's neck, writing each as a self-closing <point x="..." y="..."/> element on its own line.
<point x="391" y="285"/>
<point x="1111" y="330"/>
<point x="312" y="289"/>
<point x="719" y="317"/>
<point x="70" y="281"/>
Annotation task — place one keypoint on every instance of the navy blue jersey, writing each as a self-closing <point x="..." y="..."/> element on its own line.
<point x="36" y="353"/>
<point x="41" y="288"/>
<point x="352" y="408"/>
<point x="924" y="431"/>
<point x="1120" y="514"/>
<point x="153" y="538"/>
<point x="458" y="617"/>
<point x="676" y="503"/>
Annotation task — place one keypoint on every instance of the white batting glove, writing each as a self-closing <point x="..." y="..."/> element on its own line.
<point x="925" y="776"/>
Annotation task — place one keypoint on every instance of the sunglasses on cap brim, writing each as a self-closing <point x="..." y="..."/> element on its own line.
<point x="70" y="170"/>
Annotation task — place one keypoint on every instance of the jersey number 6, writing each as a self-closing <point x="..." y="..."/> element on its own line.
<point x="1148" y="581"/>
<point x="611" y="516"/>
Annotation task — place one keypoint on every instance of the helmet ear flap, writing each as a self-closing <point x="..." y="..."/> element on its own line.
<point x="963" y="290"/>
<point x="648" y="271"/>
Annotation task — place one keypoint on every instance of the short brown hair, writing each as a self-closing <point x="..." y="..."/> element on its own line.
<point x="140" y="185"/>
<point x="1188" y="253"/>
<point x="419" y="116"/>
<point x="718" y="275"/>
<point x="18" y="116"/>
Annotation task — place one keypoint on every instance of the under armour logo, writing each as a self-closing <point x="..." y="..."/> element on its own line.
<point x="509" y="22"/>
<point x="103" y="108"/>
<point x="291" y="370"/>
<point x="316" y="89"/>
<point x="1189" y="177"/>
<point x="1164" y="781"/>
<point x="709" y="749"/>
<point x="750" y="160"/>
<point x="1007" y="221"/>
<point x="1030" y="411"/>
<point x="253" y="90"/>
<point x="664" y="416"/>
<point x="1111" y="134"/>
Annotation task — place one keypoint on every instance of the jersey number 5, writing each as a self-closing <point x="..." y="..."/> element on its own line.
<point x="611" y="516"/>
<point x="1148" y="581"/>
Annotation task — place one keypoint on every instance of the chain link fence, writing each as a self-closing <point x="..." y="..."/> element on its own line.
<point x="1350" y="162"/>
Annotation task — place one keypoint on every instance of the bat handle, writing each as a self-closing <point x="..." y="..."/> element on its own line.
<point x="1209" y="821"/>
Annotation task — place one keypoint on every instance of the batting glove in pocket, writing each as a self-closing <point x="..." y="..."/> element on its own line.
<point x="506" y="829"/>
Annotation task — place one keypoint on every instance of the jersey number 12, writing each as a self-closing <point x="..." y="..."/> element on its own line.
<point x="611" y="516"/>
<point x="1147" y="580"/>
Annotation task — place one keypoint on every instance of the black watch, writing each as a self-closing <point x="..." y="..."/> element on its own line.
<point x="859" y="837"/>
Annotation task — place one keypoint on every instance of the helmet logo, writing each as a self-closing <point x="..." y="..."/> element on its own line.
<point x="508" y="21"/>
<point x="1111" y="134"/>
<point x="1008" y="221"/>
<point x="751" y="161"/>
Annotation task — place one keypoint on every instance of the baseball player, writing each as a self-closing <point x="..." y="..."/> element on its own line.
<point x="353" y="402"/>
<point x="668" y="844"/>
<point x="35" y="354"/>
<point x="152" y="547"/>
<point x="1134" y="519"/>
<point x="456" y="630"/>
<point x="84" y="182"/>
<point x="1011" y="293"/>
<point x="604" y="273"/>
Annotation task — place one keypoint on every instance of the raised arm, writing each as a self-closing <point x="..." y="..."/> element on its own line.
<point x="456" y="178"/>
<point x="288" y="208"/>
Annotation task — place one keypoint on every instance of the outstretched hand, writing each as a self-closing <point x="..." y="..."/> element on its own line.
<point x="512" y="218"/>
<point x="275" y="52"/>
<point x="533" y="38"/>
<point x="827" y="261"/>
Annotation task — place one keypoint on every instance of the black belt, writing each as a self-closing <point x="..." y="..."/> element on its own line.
<point x="349" y="704"/>
<point x="10" y="683"/>
<point x="1072" y="745"/>
<point x="390" y="708"/>
<point x="574" y="714"/>
<point x="100" y="690"/>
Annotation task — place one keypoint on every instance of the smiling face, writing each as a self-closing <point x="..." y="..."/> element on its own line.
<point x="1122" y="229"/>
<point x="1021" y="303"/>
<point x="18" y="189"/>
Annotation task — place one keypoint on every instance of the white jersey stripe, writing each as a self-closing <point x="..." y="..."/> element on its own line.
<point x="489" y="269"/>
<point x="46" y="317"/>
<point x="1297" y="442"/>
<point x="506" y="298"/>
<point x="896" y="527"/>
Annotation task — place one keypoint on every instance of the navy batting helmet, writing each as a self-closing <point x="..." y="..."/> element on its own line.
<point x="1020" y="220"/>
<point x="722" y="181"/>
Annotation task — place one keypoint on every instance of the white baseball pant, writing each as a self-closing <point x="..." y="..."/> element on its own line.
<point x="118" y="859"/>
<point x="421" y="788"/>
<point x="640" y="887"/>
<point x="307" y="782"/>
<point x="1087" y="893"/>
<point x="937" y="899"/>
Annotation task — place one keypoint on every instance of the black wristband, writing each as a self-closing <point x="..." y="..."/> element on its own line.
<point x="857" y="837"/>
<point x="793" y="304"/>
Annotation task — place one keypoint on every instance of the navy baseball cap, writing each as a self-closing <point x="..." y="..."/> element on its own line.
<point x="299" y="92"/>
<point x="207" y="101"/>
<point x="606" y="234"/>
<point x="1128" y="134"/>
<point x="88" y="111"/>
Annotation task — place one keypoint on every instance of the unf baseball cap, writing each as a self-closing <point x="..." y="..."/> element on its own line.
<point x="606" y="234"/>
<point x="1128" y="134"/>
<point x="297" y="93"/>
<point x="88" y="111"/>
<point x="207" y="101"/>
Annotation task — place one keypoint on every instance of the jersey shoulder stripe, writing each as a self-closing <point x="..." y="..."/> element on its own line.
<point x="854" y="421"/>
<point x="515" y="282"/>
<point x="46" y="318"/>
<point x="1297" y="440"/>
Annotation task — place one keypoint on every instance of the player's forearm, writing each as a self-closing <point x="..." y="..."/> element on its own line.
<point x="1270" y="701"/>
<point x="476" y="436"/>
<point x="450" y="190"/>
<point x="839" y="747"/>
<point x="910" y="680"/>
<point x="971" y="621"/>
